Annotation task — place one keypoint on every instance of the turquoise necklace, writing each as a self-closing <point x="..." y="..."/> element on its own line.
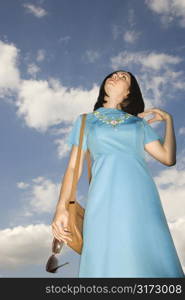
<point x="112" y="121"/>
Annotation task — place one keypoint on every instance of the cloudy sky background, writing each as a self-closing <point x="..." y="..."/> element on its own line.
<point x="53" y="58"/>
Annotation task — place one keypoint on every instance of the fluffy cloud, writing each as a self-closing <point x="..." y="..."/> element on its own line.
<point x="41" y="53"/>
<point x="177" y="229"/>
<point x="37" y="11"/>
<point x="43" y="103"/>
<point x="23" y="246"/>
<point x="171" y="184"/>
<point x="153" y="60"/>
<point x="169" y="10"/>
<point x="32" y="69"/>
<point x="40" y="196"/>
<point x="130" y="36"/>
<point x="9" y="72"/>
<point x="91" y="56"/>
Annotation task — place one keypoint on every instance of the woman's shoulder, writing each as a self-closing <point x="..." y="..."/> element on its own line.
<point x="89" y="115"/>
<point x="139" y="119"/>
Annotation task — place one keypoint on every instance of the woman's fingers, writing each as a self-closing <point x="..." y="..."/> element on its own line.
<point x="62" y="225"/>
<point x="69" y="234"/>
<point x="56" y="235"/>
<point x="61" y="236"/>
<point x="61" y="233"/>
<point x="152" y="120"/>
<point x="61" y="230"/>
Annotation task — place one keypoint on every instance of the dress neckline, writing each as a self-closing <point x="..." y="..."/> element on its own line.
<point x="110" y="109"/>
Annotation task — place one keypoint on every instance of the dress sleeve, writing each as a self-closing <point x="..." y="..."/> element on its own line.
<point x="74" y="135"/>
<point x="149" y="133"/>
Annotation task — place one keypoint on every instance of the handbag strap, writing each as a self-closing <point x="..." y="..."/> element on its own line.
<point x="77" y="163"/>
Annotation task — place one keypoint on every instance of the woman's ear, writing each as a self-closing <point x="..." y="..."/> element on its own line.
<point x="128" y="93"/>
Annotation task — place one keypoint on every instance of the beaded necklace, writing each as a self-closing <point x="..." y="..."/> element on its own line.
<point x="113" y="121"/>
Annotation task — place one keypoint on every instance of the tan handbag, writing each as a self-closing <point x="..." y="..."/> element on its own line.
<point x="76" y="211"/>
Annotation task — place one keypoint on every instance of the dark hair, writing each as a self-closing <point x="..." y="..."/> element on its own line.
<point x="133" y="104"/>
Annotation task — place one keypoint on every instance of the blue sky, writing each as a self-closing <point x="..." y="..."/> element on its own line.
<point x="53" y="58"/>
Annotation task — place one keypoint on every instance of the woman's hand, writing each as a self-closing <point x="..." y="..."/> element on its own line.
<point x="60" y="226"/>
<point x="159" y="115"/>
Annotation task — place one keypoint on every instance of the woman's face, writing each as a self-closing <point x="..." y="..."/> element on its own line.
<point x="118" y="84"/>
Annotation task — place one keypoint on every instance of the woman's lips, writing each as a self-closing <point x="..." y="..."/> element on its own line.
<point x="111" y="81"/>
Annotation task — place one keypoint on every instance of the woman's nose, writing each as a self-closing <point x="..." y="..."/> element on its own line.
<point x="115" y="76"/>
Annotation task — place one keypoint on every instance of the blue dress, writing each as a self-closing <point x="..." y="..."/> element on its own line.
<point x="125" y="232"/>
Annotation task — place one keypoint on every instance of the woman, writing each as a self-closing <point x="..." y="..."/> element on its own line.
<point x="125" y="232"/>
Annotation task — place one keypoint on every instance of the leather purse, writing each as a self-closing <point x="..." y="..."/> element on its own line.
<point x="76" y="211"/>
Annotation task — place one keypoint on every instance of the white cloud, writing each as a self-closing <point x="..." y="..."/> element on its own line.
<point x="24" y="246"/>
<point x="177" y="229"/>
<point x="180" y="165"/>
<point x="169" y="10"/>
<point x="43" y="103"/>
<point x="62" y="147"/>
<point x="40" y="196"/>
<point x="171" y="184"/>
<point x="155" y="61"/>
<point x="131" y="17"/>
<point x="9" y="72"/>
<point x="37" y="11"/>
<point x="159" y="6"/>
<point x="22" y="185"/>
<point x="40" y="55"/>
<point x="91" y="56"/>
<point x="182" y="130"/>
<point x="33" y="69"/>
<point x="130" y="36"/>
<point x="44" y="196"/>
<point x="116" y="31"/>
<point x="64" y="39"/>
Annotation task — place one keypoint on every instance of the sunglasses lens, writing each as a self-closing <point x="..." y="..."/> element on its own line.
<point x="52" y="264"/>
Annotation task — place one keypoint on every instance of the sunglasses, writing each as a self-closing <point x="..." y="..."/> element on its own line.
<point x="53" y="264"/>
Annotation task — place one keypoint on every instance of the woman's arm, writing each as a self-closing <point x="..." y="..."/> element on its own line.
<point x="166" y="152"/>
<point x="60" y="222"/>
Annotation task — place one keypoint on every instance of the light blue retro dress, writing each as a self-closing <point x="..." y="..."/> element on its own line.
<point x="125" y="232"/>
